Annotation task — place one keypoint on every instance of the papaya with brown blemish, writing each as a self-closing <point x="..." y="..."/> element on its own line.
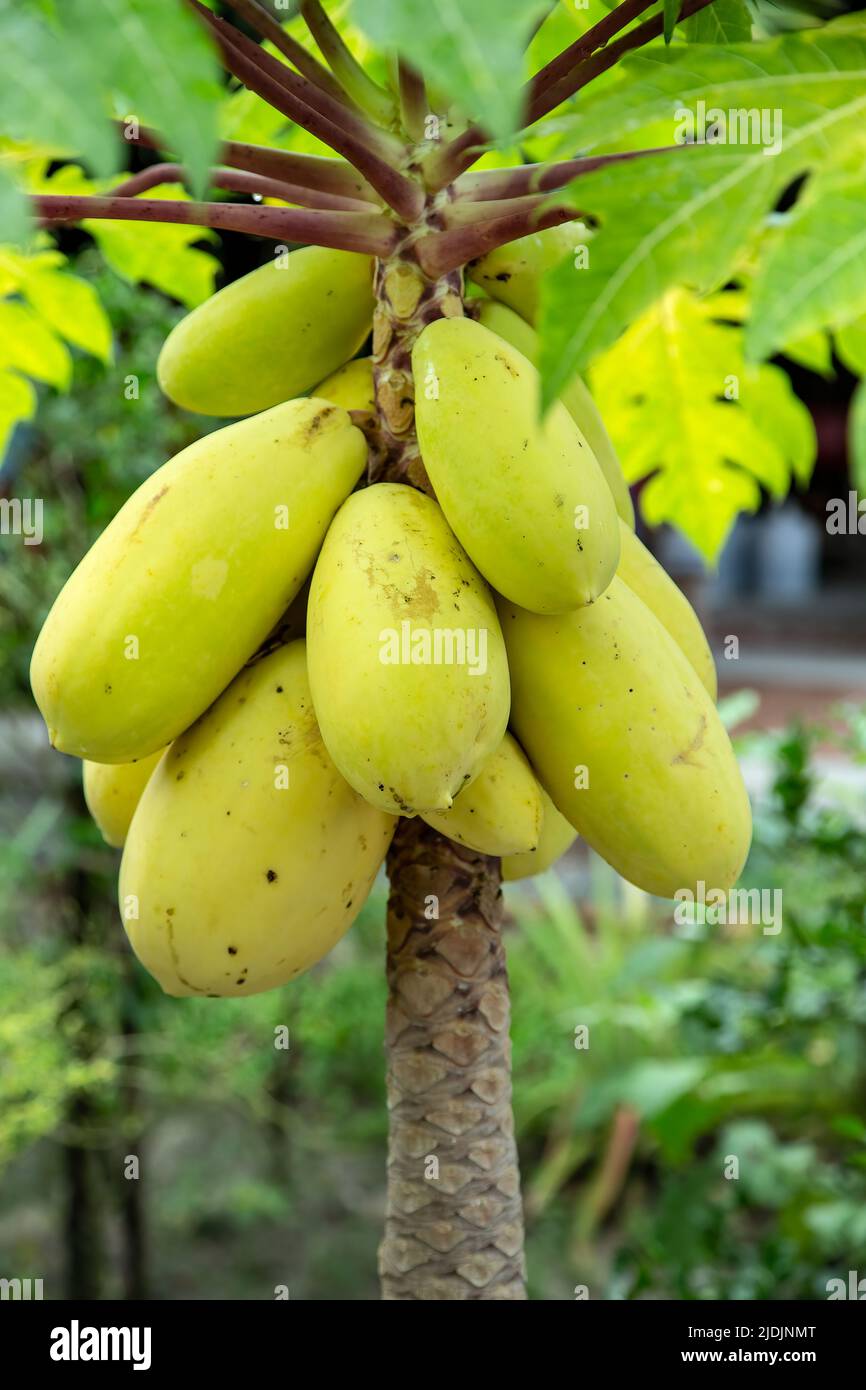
<point x="248" y="869"/>
<point x="407" y="665"/>
<point x="526" y="498"/>
<point x="500" y="812"/>
<point x="555" y="837"/>
<point x="625" y="739"/>
<point x="189" y="578"/>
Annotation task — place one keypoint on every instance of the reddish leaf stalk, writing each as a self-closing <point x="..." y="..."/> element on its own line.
<point x="495" y="184"/>
<point x="238" y="181"/>
<point x="592" y="67"/>
<point x="543" y="95"/>
<point x="595" y="37"/>
<point x="368" y="233"/>
<point x="234" y="45"/>
<point x="398" y="191"/>
<point x="442" y="252"/>
<point x="345" y="67"/>
<point x="267" y="27"/>
<point x="414" y="103"/>
<point x="315" y="172"/>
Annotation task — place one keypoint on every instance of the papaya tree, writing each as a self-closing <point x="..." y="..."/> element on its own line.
<point x="487" y="660"/>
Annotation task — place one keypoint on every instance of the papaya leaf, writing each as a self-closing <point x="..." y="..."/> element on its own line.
<point x="658" y="222"/>
<point x="851" y="346"/>
<point x="705" y="427"/>
<point x="158" y="61"/>
<point x="800" y="100"/>
<point x="70" y="306"/>
<point x="17" y="403"/>
<point x="29" y="345"/>
<point x="725" y="21"/>
<point x="816" y="82"/>
<point x="159" y="254"/>
<point x="857" y="439"/>
<point x="474" y="53"/>
<point x="47" y="92"/>
<point x="814" y="272"/>
<point x="15" y="221"/>
<point x="814" y="351"/>
<point x="671" y="11"/>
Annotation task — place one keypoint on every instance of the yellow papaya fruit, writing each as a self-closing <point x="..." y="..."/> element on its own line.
<point x="576" y="398"/>
<point x="627" y="742"/>
<point x="648" y="579"/>
<point x="407" y="666"/>
<point x="112" y="792"/>
<point x="500" y="811"/>
<point x="512" y="273"/>
<point x="249" y="856"/>
<point x="270" y="335"/>
<point x="527" y="500"/>
<point x="189" y="578"/>
<point x="556" y="837"/>
<point x="351" y="387"/>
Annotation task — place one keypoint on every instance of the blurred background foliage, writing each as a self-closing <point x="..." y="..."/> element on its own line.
<point x="262" y="1164"/>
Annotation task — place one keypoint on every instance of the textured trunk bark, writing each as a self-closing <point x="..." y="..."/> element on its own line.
<point x="454" y="1223"/>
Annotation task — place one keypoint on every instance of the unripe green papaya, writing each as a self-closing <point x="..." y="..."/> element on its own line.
<point x="351" y="386"/>
<point x="627" y="742"/>
<point x="271" y="335"/>
<point x="500" y="812"/>
<point x="512" y="273"/>
<point x="248" y="856"/>
<point x="407" y="666"/>
<point x="189" y="578"/>
<point x="648" y="579"/>
<point x="527" y="500"/>
<point x="112" y="792"/>
<point x="556" y="837"/>
<point x="576" y="398"/>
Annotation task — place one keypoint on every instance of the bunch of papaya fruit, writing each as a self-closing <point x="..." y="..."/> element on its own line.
<point x="264" y="662"/>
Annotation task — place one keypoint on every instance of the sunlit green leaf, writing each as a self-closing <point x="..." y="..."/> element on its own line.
<point x="15" y="221"/>
<point x="814" y="272"/>
<point x="28" y="344"/>
<point x="162" y="255"/>
<point x="474" y="53"/>
<point x="857" y="438"/>
<point x="156" y="58"/>
<point x="70" y="306"/>
<point x="47" y="91"/>
<point x="851" y="345"/>
<point x="708" y="430"/>
<point x="658" y="223"/>
<point x="725" y="21"/>
<point x="17" y="403"/>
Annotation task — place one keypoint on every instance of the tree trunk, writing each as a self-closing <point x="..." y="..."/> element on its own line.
<point x="454" y="1224"/>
